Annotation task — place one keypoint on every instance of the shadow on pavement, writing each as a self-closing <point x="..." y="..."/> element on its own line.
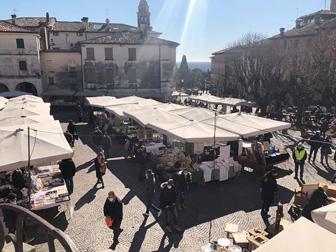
<point x="139" y="236"/>
<point x="87" y="198"/>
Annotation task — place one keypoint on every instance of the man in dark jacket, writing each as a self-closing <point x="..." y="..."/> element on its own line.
<point x="299" y="156"/>
<point x="69" y="138"/>
<point x="106" y="144"/>
<point x="142" y="158"/>
<point x="324" y="127"/>
<point x="168" y="203"/>
<point x="183" y="186"/>
<point x="73" y="131"/>
<point x="68" y="170"/>
<point x="269" y="188"/>
<point x="314" y="145"/>
<point x="113" y="209"/>
<point x="150" y="192"/>
<point x="98" y="139"/>
<point x="10" y="218"/>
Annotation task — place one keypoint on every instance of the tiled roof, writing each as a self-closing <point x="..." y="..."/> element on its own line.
<point x="308" y="29"/>
<point x="133" y="38"/>
<point x="30" y="21"/>
<point x="8" y="27"/>
<point x="228" y="50"/>
<point x="321" y="12"/>
<point x="92" y="27"/>
<point x="329" y="24"/>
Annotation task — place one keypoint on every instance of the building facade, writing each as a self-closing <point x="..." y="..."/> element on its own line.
<point x="104" y="56"/>
<point x="19" y="59"/>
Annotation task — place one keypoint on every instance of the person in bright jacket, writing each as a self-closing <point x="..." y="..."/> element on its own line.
<point x="183" y="186"/>
<point x="113" y="209"/>
<point x="299" y="156"/>
<point x="168" y="203"/>
<point x="269" y="188"/>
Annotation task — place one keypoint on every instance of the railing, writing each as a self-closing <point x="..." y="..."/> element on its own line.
<point x="28" y="218"/>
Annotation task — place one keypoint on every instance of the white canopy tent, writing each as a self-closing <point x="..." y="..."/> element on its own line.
<point x="47" y="144"/>
<point x="30" y="98"/>
<point x="197" y="114"/>
<point x="219" y="100"/>
<point x="303" y="235"/>
<point x="24" y="120"/>
<point x="247" y="125"/>
<point x="100" y="101"/>
<point x="3" y="102"/>
<point x="132" y="98"/>
<point x="167" y="106"/>
<point x="326" y="217"/>
<point x="18" y="105"/>
<point x="149" y="102"/>
<point x="118" y="110"/>
<point x="24" y="112"/>
<point x="143" y="116"/>
<point x="193" y="132"/>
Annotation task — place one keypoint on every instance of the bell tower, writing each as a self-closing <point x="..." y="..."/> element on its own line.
<point x="144" y="16"/>
<point x="333" y="5"/>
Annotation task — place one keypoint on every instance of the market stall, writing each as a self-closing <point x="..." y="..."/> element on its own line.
<point x="24" y="120"/>
<point x="325" y="217"/>
<point x="303" y="235"/>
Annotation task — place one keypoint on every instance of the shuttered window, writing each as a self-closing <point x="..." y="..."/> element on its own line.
<point x="23" y="65"/>
<point x="131" y="54"/>
<point x="109" y="53"/>
<point x="90" y="54"/>
<point x="20" y="43"/>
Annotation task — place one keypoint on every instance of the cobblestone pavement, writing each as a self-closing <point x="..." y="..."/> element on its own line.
<point x="209" y="208"/>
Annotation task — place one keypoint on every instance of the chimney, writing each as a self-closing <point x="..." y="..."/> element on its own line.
<point x="47" y="18"/>
<point x="282" y="32"/>
<point x="13" y="19"/>
<point x="333" y="5"/>
<point x="85" y="21"/>
<point x="317" y="19"/>
<point x="298" y="23"/>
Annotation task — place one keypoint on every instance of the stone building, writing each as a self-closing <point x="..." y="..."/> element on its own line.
<point x="19" y="59"/>
<point x="65" y="61"/>
<point x="300" y="38"/>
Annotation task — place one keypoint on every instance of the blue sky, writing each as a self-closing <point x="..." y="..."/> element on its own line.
<point x="200" y="26"/>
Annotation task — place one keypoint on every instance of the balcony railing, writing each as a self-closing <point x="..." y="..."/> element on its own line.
<point x="27" y="217"/>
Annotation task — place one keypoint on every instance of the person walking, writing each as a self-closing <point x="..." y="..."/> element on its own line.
<point x="68" y="170"/>
<point x="10" y="218"/>
<point x="73" y="131"/>
<point x="183" y="185"/>
<point x="69" y="138"/>
<point x="324" y="127"/>
<point x="168" y="203"/>
<point x="299" y="156"/>
<point x="269" y="188"/>
<point x="150" y="192"/>
<point x="100" y="165"/>
<point x="314" y="145"/>
<point x="98" y="139"/>
<point x="142" y="159"/>
<point x="326" y="150"/>
<point x="113" y="209"/>
<point x="106" y="144"/>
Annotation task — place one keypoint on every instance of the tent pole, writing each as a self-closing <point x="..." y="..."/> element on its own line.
<point x="29" y="179"/>
<point x="215" y="139"/>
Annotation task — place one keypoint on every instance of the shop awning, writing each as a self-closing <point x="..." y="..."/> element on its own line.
<point x="24" y="120"/>
<point x="13" y="93"/>
<point x="143" y="116"/>
<point x="326" y="217"/>
<point x="193" y="132"/>
<point x="247" y="125"/>
<point x="302" y="235"/>
<point x="47" y="144"/>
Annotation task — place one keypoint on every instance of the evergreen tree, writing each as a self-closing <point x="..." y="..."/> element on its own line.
<point x="184" y="69"/>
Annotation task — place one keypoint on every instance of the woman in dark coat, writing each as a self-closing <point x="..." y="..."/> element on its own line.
<point x="72" y="130"/>
<point x="99" y="162"/>
<point x="269" y="188"/>
<point x="150" y="192"/>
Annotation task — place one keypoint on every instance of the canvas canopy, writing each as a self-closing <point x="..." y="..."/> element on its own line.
<point x="144" y="116"/>
<point x="24" y="120"/>
<point x="47" y="144"/>
<point x="167" y="106"/>
<point x="118" y="110"/>
<point x="196" y="114"/>
<point x="100" y="101"/>
<point x="219" y="100"/>
<point x="30" y="98"/>
<point x="193" y="132"/>
<point x="18" y="105"/>
<point x="24" y="112"/>
<point x="3" y="102"/>
<point x="247" y="125"/>
<point x="131" y="99"/>
<point x="302" y="235"/>
<point x="326" y="217"/>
